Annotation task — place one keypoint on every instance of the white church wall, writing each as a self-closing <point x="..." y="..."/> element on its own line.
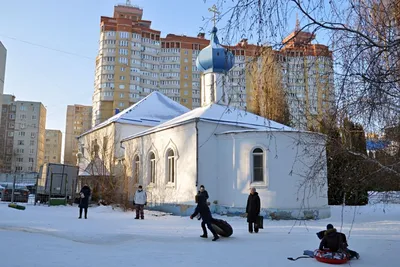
<point x="122" y="131"/>
<point x="285" y="157"/>
<point x="210" y="156"/>
<point x="182" y="140"/>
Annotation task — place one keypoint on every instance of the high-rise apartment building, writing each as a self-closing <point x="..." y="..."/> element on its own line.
<point x="134" y="61"/>
<point x="307" y="78"/>
<point x="3" y="56"/>
<point x="53" y="143"/>
<point x="79" y="120"/>
<point x="23" y="128"/>
<point x="7" y="133"/>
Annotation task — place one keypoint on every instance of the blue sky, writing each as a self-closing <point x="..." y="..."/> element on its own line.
<point x="58" y="79"/>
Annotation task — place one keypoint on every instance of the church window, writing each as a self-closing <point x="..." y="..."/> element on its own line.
<point x="152" y="168"/>
<point x="136" y="170"/>
<point x="171" y="166"/>
<point x="258" y="165"/>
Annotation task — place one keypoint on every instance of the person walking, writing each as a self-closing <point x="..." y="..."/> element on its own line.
<point x="206" y="216"/>
<point x="253" y="210"/>
<point x="84" y="200"/>
<point x="202" y="192"/>
<point x="139" y="201"/>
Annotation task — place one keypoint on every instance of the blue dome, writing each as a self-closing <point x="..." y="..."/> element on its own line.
<point x="215" y="58"/>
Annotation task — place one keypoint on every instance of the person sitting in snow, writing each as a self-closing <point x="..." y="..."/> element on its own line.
<point x="205" y="214"/>
<point x="335" y="241"/>
<point x="139" y="201"/>
<point x="204" y="193"/>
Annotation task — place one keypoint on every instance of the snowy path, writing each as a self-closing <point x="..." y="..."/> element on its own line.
<point x="52" y="237"/>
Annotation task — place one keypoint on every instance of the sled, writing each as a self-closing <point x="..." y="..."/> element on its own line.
<point x="16" y="206"/>
<point x="222" y="227"/>
<point x="329" y="257"/>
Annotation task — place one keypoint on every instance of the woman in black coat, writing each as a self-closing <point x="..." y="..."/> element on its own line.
<point x="253" y="210"/>
<point x="84" y="202"/>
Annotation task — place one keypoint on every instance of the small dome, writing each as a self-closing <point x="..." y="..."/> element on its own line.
<point x="215" y="58"/>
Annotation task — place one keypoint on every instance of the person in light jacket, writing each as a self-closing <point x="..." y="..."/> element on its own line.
<point x="139" y="201"/>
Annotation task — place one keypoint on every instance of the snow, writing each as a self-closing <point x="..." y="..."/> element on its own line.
<point x="53" y="236"/>
<point x="150" y="111"/>
<point x="219" y="114"/>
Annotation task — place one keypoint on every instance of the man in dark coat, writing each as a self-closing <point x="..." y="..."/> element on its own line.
<point x="205" y="214"/>
<point x="84" y="202"/>
<point x="204" y="193"/>
<point x="253" y="210"/>
<point x="335" y="241"/>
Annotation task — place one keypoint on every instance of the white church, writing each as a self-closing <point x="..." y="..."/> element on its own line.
<point x="228" y="150"/>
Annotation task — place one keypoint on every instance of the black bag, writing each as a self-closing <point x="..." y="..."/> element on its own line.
<point x="222" y="227"/>
<point x="260" y="222"/>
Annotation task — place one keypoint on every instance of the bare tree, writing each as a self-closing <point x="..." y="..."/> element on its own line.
<point x="268" y="95"/>
<point x="103" y="168"/>
<point x="364" y="36"/>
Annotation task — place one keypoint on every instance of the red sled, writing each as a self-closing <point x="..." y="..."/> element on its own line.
<point x="329" y="257"/>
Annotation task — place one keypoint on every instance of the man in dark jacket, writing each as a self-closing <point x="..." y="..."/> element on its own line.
<point x="253" y="210"/>
<point x="335" y="241"/>
<point x="204" y="193"/>
<point x="84" y="201"/>
<point x="205" y="214"/>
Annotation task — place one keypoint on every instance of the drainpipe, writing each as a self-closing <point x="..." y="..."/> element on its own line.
<point x="197" y="152"/>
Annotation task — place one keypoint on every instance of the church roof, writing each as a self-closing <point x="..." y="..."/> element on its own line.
<point x="215" y="58"/>
<point x="219" y="114"/>
<point x="152" y="110"/>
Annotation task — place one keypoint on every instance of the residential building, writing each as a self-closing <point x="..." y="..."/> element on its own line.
<point x="53" y="143"/>
<point x="7" y="133"/>
<point x="3" y="56"/>
<point x="23" y="135"/>
<point x="127" y="66"/>
<point x="307" y="78"/>
<point x="78" y="121"/>
<point x="134" y="61"/>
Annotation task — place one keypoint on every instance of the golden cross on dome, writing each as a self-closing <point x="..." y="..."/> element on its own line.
<point x="214" y="10"/>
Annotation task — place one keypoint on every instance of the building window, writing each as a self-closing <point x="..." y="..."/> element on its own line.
<point x="171" y="166"/>
<point x="152" y="168"/>
<point x="136" y="161"/>
<point x="258" y="165"/>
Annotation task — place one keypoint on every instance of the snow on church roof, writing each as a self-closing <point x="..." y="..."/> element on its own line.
<point x="152" y="110"/>
<point x="219" y="114"/>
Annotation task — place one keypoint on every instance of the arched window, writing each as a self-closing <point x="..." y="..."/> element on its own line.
<point x="171" y="166"/>
<point x="258" y="165"/>
<point x="136" y="163"/>
<point x="152" y="159"/>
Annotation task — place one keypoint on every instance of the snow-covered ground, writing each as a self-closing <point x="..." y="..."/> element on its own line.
<point x="53" y="236"/>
